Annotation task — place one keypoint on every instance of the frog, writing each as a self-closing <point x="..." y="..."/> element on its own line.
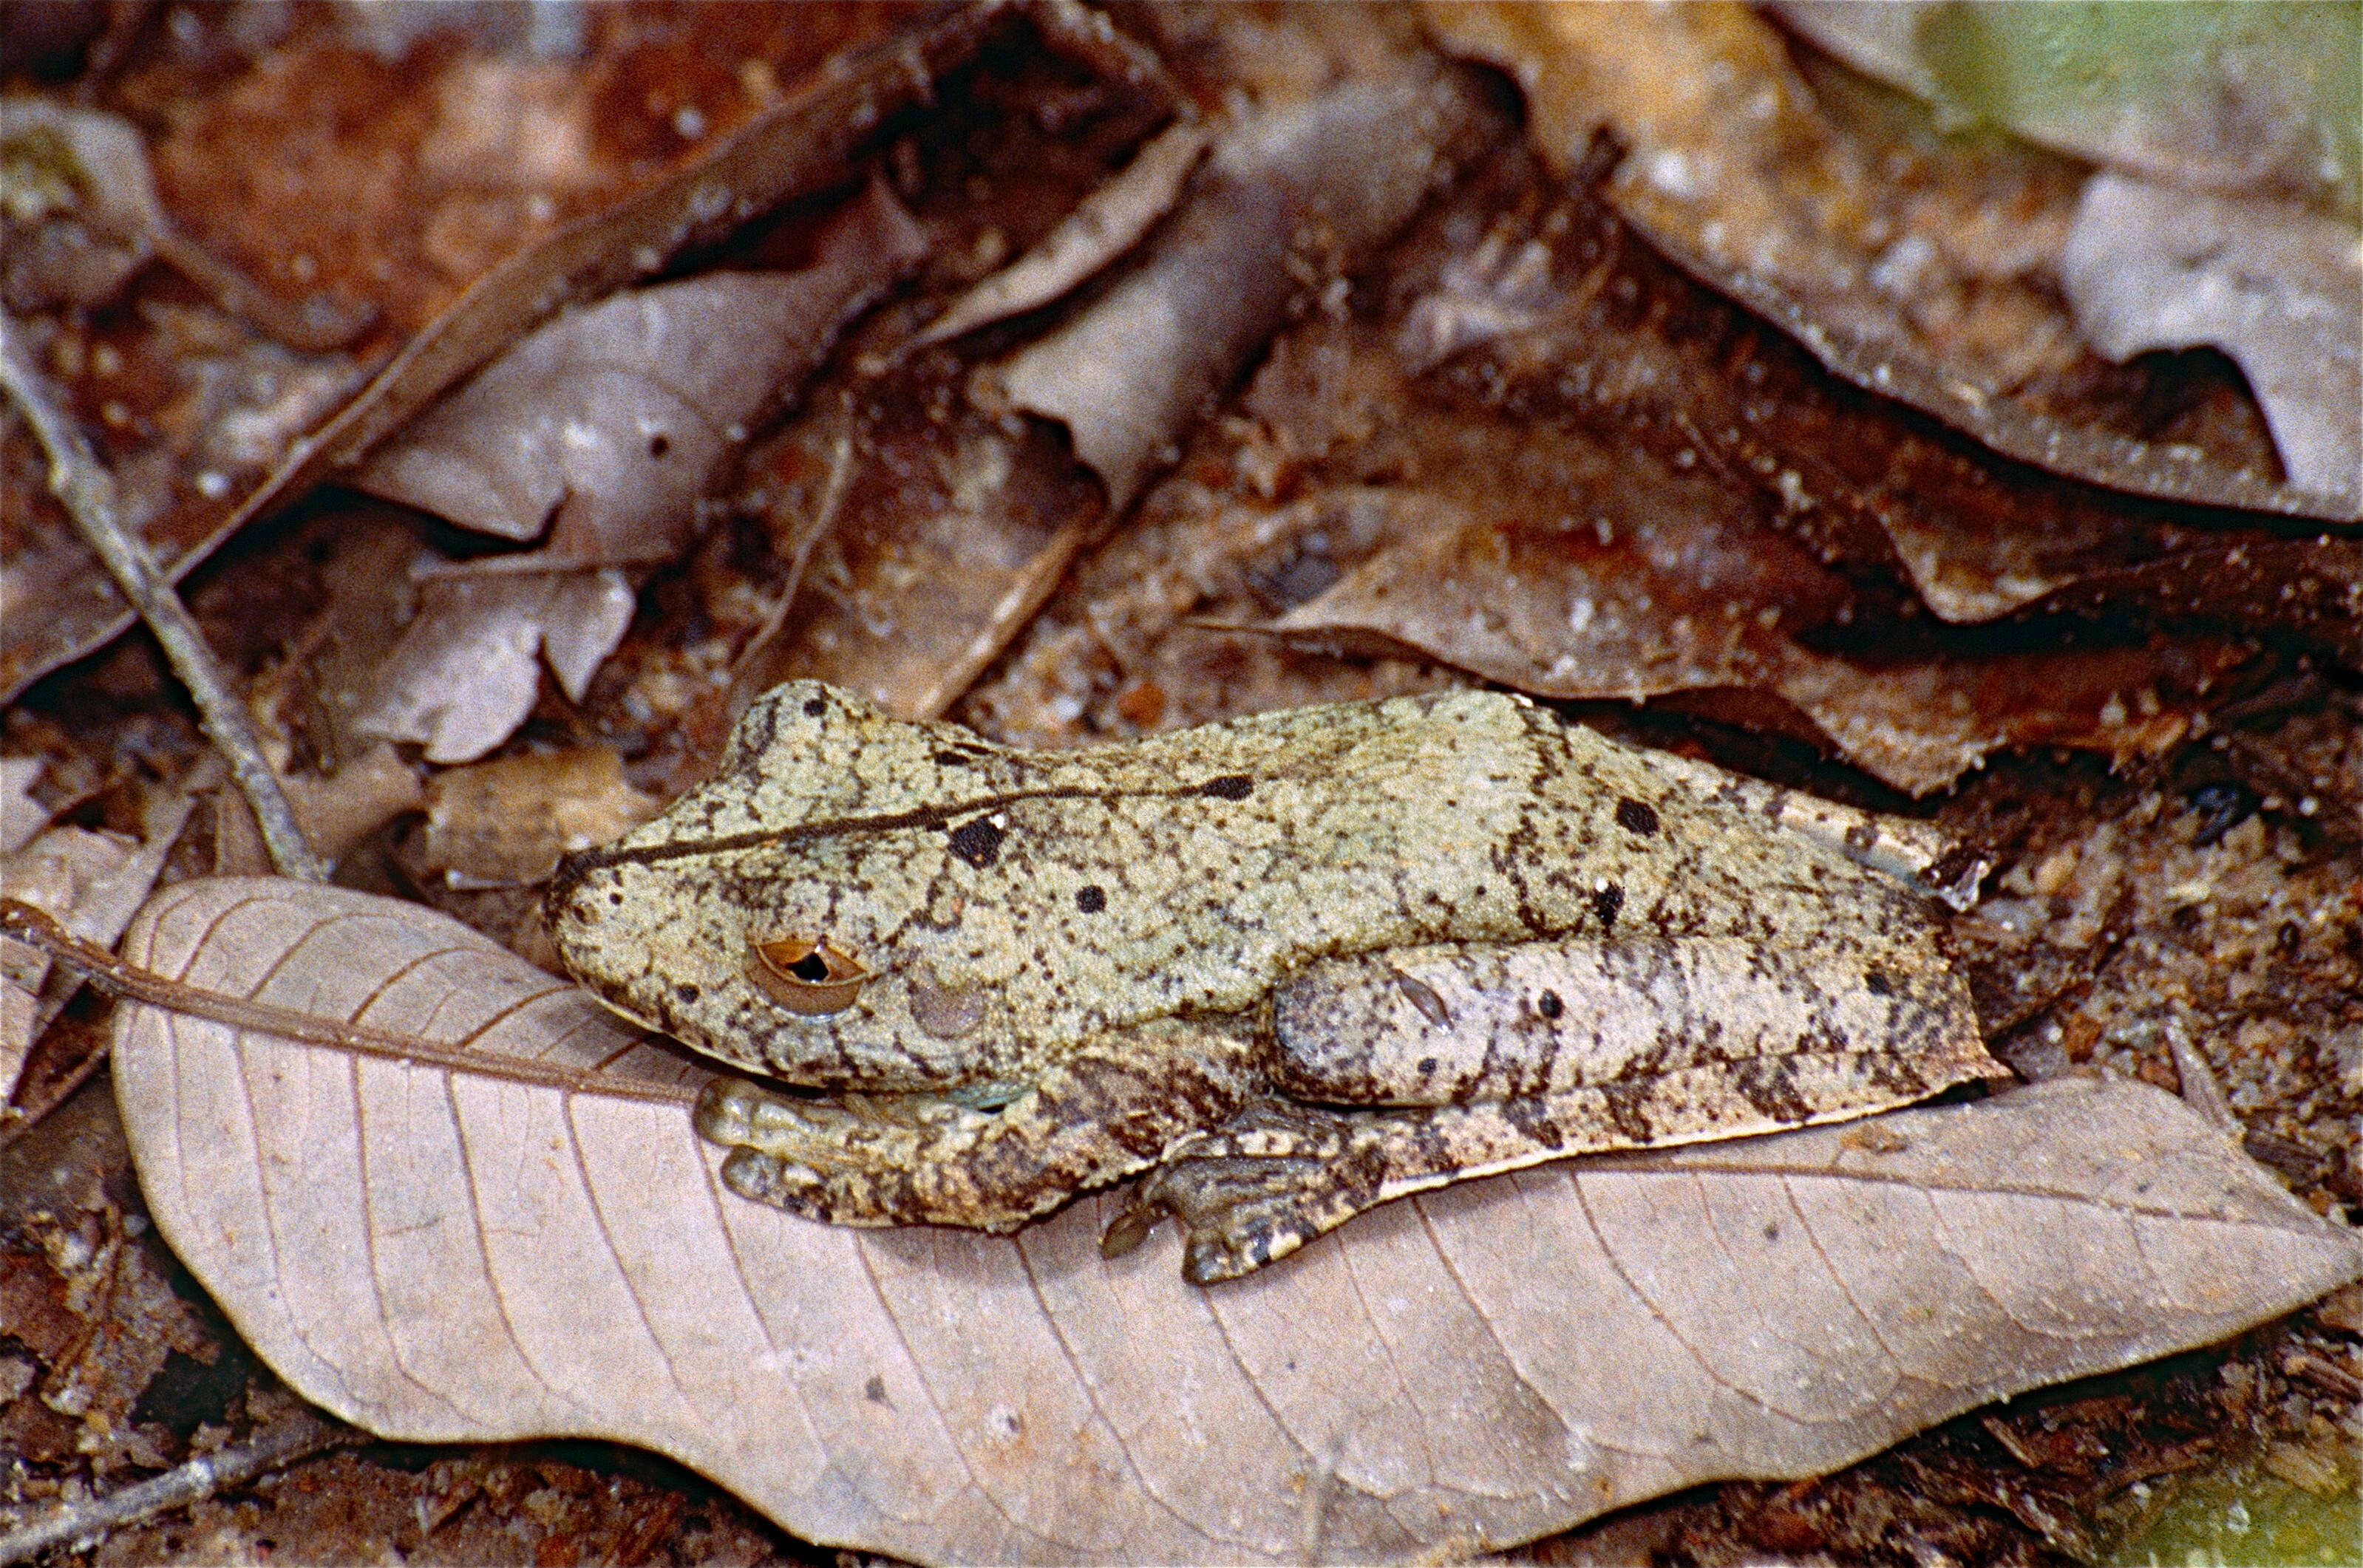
<point x="1281" y="968"/>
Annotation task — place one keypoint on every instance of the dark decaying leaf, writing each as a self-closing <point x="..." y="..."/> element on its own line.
<point x="486" y="1258"/>
<point x="1933" y="280"/>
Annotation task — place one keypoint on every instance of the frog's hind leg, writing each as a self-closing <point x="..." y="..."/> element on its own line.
<point x="1283" y="1172"/>
<point x="1113" y="1108"/>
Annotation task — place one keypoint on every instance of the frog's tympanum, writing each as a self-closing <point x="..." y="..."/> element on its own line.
<point x="1291" y="967"/>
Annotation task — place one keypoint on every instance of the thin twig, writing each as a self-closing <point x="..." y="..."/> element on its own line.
<point x="82" y="482"/>
<point x="110" y="974"/>
<point x="279" y="1445"/>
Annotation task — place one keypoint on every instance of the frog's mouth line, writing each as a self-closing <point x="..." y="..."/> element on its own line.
<point x="573" y="867"/>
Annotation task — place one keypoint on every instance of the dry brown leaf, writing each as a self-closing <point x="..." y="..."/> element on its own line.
<point x="94" y="883"/>
<point x="505" y="824"/>
<point x="440" y="1255"/>
<point x="607" y="425"/>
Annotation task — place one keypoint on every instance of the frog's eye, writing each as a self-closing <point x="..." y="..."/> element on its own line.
<point x="806" y="973"/>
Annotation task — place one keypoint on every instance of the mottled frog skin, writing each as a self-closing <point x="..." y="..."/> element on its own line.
<point x="1292" y="965"/>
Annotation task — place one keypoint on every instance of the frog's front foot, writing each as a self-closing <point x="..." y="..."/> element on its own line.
<point x="812" y="1159"/>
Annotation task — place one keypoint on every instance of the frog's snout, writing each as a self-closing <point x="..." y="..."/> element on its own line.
<point x="580" y="894"/>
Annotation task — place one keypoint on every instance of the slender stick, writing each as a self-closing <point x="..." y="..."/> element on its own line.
<point x="281" y="1443"/>
<point x="82" y="482"/>
<point x="116" y="978"/>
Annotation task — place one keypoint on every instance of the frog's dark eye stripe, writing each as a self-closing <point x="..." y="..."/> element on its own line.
<point x="806" y="975"/>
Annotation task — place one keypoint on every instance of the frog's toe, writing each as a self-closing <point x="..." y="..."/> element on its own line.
<point x="736" y="1114"/>
<point x="1237" y="1215"/>
<point x="766" y="1178"/>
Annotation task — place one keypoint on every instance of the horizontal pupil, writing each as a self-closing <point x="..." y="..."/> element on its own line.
<point x="811" y="969"/>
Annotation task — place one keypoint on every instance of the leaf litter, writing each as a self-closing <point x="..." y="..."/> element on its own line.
<point x="855" y="546"/>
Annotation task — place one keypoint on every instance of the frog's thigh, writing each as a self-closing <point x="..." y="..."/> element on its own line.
<point x="1459" y="1022"/>
<point x="1114" y="1107"/>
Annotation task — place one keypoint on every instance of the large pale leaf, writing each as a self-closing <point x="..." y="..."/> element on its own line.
<point x="443" y="1255"/>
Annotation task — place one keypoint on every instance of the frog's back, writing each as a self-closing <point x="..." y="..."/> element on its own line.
<point x="1039" y="899"/>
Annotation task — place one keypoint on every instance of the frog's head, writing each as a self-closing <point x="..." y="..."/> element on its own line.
<point x="821" y="909"/>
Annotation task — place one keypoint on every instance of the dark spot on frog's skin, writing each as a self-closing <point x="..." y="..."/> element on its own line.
<point x="615" y="899"/>
<point x="1426" y="1065"/>
<point x="660" y="443"/>
<point x="815" y="706"/>
<point x="1636" y="816"/>
<point x="875" y="1391"/>
<point x="950" y="759"/>
<point x="1877" y="983"/>
<point x="978" y="842"/>
<point x="1229" y="787"/>
<point x="686" y="992"/>
<point x="1606" y="901"/>
<point x="1772" y="1231"/>
<point x="1089" y="899"/>
<point x="1549" y="1004"/>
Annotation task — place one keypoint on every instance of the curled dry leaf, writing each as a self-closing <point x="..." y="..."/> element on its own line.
<point x="1107" y="224"/>
<point x="442" y="1254"/>
<point x="1342" y="171"/>
<point x="607" y="425"/>
<point x="2277" y="288"/>
<point x="464" y="675"/>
